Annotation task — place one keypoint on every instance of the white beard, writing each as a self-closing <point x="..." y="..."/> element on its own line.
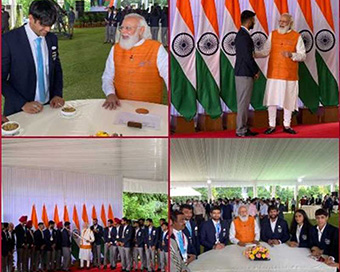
<point x="283" y="30"/>
<point x="127" y="44"/>
<point x="244" y="218"/>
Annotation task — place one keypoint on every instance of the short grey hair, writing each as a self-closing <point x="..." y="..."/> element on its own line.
<point x="142" y="23"/>
<point x="291" y="19"/>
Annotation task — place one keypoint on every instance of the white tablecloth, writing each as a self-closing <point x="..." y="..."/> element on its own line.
<point x="310" y="210"/>
<point x="90" y="118"/>
<point x="283" y="259"/>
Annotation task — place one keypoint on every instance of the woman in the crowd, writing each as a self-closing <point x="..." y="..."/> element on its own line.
<point x="300" y="230"/>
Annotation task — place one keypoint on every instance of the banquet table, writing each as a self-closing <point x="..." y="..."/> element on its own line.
<point x="91" y="118"/>
<point x="282" y="259"/>
<point x="310" y="210"/>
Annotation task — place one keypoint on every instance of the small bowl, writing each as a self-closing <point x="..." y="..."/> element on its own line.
<point x="11" y="132"/>
<point x="68" y="111"/>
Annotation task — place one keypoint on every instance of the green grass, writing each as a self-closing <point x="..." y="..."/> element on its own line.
<point x="83" y="61"/>
<point x="333" y="220"/>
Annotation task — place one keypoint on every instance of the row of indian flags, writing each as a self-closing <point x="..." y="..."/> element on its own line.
<point x="75" y="218"/>
<point x="202" y="69"/>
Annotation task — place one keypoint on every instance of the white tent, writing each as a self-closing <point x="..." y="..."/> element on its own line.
<point x="184" y="191"/>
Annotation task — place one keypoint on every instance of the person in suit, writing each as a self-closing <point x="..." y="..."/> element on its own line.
<point x="324" y="237"/>
<point x="4" y="247"/>
<point x="66" y="243"/>
<point x="214" y="232"/>
<point x="227" y="212"/>
<point x="191" y="230"/>
<point x="141" y="222"/>
<point x="127" y="244"/>
<point x="58" y="247"/>
<point x="29" y="258"/>
<point x="274" y="230"/>
<point x="159" y="234"/>
<point x="11" y="246"/>
<point x="4" y="20"/>
<point x="110" y="247"/>
<point x="163" y="247"/>
<point x="150" y="241"/>
<point x="96" y="247"/>
<point x="31" y="69"/>
<point x="300" y="229"/>
<point x="138" y="249"/>
<point x="50" y="237"/>
<point x="20" y="234"/>
<point x="164" y="25"/>
<point x="109" y="25"/>
<point x="39" y="243"/>
<point x="246" y="70"/>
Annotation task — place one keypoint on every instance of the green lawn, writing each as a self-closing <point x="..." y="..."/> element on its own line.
<point x="83" y="61"/>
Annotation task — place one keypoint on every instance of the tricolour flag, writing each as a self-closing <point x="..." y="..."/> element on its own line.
<point x="326" y="52"/>
<point x="259" y="35"/>
<point x="56" y="214"/>
<point x="84" y="215"/>
<point x="208" y="59"/>
<point x="183" y="65"/>
<point x="34" y="217"/>
<point x="44" y="216"/>
<point x="103" y="215"/>
<point x="110" y="213"/>
<point x="66" y="215"/>
<point x="230" y="27"/>
<point x="94" y="213"/>
<point x="75" y="217"/>
<point x="308" y="74"/>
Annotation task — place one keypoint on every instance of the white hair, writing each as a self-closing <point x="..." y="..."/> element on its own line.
<point x="142" y="23"/>
<point x="242" y="206"/>
<point x="291" y="20"/>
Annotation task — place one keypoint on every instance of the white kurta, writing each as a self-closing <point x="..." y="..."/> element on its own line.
<point x="86" y="235"/>
<point x="282" y="93"/>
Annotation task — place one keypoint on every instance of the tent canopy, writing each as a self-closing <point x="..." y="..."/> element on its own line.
<point x="249" y="162"/>
<point x="184" y="191"/>
<point x="143" y="163"/>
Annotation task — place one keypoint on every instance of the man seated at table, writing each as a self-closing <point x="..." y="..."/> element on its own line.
<point x="136" y="66"/>
<point x="31" y="69"/>
<point x="244" y="228"/>
<point x="324" y="237"/>
<point x="274" y="230"/>
<point x="214" y="232"/>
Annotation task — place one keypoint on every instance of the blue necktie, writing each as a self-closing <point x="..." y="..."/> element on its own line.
<point x="189" y="227"/>
<point x="41" y="74"/>
<point x="181" y="242"/>
<point x="218" y="230"/>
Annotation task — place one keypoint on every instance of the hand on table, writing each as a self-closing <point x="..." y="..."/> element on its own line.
<point x="330" y="262"/>
<point x="293" y="244"/>
<point x="32" y="107"/>
<point x="191" y="258"/>
<point x="111" y="102"/>
<point x="255" y="242"/>
<point x="57" y="102"/>
<point x="219" y="246"/>
<point x="241" y="244"/>
<point x="4" y="119"/>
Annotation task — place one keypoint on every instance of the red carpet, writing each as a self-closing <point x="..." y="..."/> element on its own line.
<point x="118" y="269"/>
<point x="328" y="130"/>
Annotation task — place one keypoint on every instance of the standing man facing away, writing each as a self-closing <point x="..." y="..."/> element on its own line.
<point x="31" y="69"/>
<point x="246" y="70"/>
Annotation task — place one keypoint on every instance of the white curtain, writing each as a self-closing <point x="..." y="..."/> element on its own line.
<point x="23" y="187"/>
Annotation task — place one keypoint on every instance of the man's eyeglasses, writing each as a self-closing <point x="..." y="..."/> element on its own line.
<point x="127" y="28"/>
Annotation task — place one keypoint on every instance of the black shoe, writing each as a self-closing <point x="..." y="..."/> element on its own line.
<point x="289" y="130"/>
<point x="270" y="130"/>
<point x="251" y="133"/>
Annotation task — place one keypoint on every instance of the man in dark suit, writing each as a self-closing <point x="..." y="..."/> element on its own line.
<point x="138" y="249"/>
<point x="246" y="70"/>
<point x="11" y="246"/>
<point x="127" y="243"/>
<point x="227" y="211"/>
<point x="214" y="233"/>
<point x="274" y="230"/>
<point x="159" y="232"/>
<point x="150" y="244"/>
<point x="58" y="247"/>
<point x="4" y="247"/>
<point x="191" y="230"/>
<point x="50" y="237"/>
<point x="20" y="234"/>
<point x="110" y="247"/>
<point x="31" y="70"/>
<point x="324" y="237"/>
<point x="66" y="243"/>
<point x="163" y="245"/>
<point x="96" y="247"/>
<point x="29" y="258"/>
<point x="39" y="243"/>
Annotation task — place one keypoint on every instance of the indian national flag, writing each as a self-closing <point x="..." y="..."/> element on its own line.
<point x="207" y="59"/>
<point x="326" y="52"/>
<point x="280" y="7"/>
<point x="183" y="65"/>
<point x="308" y="74"/>
<point x="231" y="25"/>
<point x="260" y="35"/>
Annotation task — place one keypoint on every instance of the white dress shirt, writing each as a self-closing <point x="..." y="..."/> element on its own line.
<point x="109" y="72"/>
<point x="232" y="233"/>
<point x="298" y="232"/>
<point x="320" y="232"/>
<point x="185" y="240"/>
<point x="31" y="38"/>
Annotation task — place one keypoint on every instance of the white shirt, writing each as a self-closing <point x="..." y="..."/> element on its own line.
<point x="31" y="38"/>
<point x="298" y="232"/>
<point x="273" y="224"/>
<point x="232" y="233"/>
<point x="320" y="232"/>
<point x="264" y="209"/>
<point x="185" y="241"/>
<point x="109" y="72"/>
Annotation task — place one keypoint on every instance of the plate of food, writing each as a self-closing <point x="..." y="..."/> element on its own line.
<point x="68" y="111"/>
<point x="10" y="128"/>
